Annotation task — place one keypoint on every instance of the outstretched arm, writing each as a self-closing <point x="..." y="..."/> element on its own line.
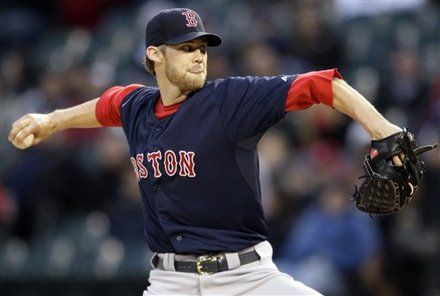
<point x="103" y="111"/>
<point x="42" y="126"/>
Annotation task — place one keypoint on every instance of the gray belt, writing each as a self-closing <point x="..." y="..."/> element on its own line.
<point x="207" y="264"/>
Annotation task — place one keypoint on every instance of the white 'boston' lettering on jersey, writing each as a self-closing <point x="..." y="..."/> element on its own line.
<point x="183" y="162"/>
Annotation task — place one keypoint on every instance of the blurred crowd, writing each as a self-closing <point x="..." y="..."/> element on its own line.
<point x="70" y="211"/>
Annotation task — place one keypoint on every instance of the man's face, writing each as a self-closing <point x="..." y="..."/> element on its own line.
<point x="186" y="64"/>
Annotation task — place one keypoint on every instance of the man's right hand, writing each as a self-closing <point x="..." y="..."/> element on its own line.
<point x="40" y="125"/>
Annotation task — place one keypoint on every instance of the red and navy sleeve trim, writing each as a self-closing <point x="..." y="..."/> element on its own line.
<point x="311" y="88"/>
<point x="109" y="104"/>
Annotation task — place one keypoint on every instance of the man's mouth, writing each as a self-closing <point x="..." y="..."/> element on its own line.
<point x="196" y="71"/>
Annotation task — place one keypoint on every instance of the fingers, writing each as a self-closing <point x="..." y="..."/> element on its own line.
<point x="17" y="126"/>
<point x="21" y="129"/>
<point x="24" y="138"/>
<point x="23" y="133"/>
<point x="399" y="159"/>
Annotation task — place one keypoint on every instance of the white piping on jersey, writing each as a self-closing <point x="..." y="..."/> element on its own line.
<point x="125" y="103"/>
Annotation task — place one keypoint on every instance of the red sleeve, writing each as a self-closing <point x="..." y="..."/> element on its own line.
<point x="311" y="88"/>
<point x="108" y="106"/>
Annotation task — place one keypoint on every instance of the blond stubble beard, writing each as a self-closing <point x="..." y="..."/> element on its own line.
<point x="183" y="80"/>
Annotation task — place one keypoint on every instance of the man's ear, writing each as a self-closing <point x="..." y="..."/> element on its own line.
<point x="154" y="53"/>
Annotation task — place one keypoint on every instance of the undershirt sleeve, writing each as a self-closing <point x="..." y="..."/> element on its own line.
<point x="311" y="88"/>
<point x="109" y="104"/>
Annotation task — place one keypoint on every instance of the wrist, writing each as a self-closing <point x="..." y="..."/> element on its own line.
<point x="384" y="130"/>
<point x="54" y="122"/>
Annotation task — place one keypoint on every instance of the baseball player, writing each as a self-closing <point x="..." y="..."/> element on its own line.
<point x="193" y="147"/>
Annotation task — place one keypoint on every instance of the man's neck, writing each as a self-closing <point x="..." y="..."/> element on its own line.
<point x="170" y="94"/>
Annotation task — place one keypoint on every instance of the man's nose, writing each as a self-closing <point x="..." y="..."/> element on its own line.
<point x="198" y="56"/>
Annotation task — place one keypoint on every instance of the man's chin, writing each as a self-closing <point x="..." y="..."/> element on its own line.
<point x="190" y="82"/>
<point x="194" y="88"/>
<point x="196" y="84"/>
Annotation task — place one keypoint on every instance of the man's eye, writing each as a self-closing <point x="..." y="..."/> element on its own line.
<point x="189" y="48"/>
<point x="186" y="48"/>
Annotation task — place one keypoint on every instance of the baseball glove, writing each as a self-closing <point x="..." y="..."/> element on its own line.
<point x="386" y="187"/>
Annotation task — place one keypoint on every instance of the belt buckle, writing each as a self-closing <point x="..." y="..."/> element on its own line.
<point x="200" y="261"/>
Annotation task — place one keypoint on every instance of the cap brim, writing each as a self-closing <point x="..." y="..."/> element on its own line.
<point x="212" y="39"/>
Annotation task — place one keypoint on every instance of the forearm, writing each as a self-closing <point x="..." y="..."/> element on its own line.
<point x="347" y="100"/>
<point x="41" y="126"/>
<point x="80" y="116"/>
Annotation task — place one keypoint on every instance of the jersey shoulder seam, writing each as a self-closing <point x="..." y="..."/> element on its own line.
<point x="132" y="94"/>
<point x="216" y="104"/>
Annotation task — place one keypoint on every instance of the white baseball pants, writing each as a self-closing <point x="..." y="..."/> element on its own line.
<point x="257" y="278"/>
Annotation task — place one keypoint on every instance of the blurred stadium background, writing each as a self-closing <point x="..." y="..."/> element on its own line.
<point x="71" y="220"/>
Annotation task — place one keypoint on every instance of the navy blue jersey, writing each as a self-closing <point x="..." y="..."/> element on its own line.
<point x="198" y="169"/>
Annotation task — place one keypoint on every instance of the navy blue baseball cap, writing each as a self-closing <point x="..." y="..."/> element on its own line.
<point x="177" y="25"/>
